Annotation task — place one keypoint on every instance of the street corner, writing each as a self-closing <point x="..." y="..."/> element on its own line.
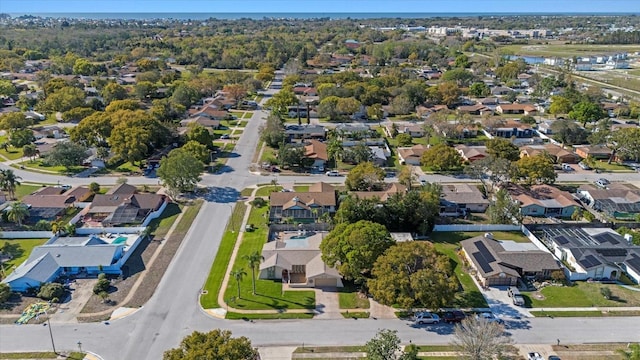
<point x="122" y="312"/>
<point x="91" y="356"/>
<point x="218" y="313"/>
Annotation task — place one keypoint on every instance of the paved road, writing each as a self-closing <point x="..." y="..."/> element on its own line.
<point x="173" y="311"/>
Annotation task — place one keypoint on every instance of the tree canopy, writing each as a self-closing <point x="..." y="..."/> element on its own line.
<point x="353" y="248"/>
<point x="478" y="339"/>
<point x="441" y="157"/>
<point x="503" y="149"/>
<point x="412" y="274"/>
<point x="534" y="170"/>
<point x="180" y="171"/>
<point x="216" y="344"/>
<point x="365" y="177"/>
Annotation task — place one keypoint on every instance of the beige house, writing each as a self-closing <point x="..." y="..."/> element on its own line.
<point x="296" y="259"/>
<point x="392" y="189"/>
<point x="411" y="155"/>
<point x="303" y="207"/>
<point x="559" y="154"/>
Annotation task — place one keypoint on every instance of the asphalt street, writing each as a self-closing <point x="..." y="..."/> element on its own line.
<point x="174" y="311"/>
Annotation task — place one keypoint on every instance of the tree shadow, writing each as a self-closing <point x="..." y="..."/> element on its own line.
<point x="13" y="250"/>
<point x="223" y="195"/>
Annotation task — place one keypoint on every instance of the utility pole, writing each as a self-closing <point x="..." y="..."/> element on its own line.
<point x="51" y="335"/>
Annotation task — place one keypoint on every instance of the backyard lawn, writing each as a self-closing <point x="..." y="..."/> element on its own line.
<point x="269" y="294"/>
<point x="583" y="294"/>
<point x="19" y="250"/>
<point x="454" y="237"/>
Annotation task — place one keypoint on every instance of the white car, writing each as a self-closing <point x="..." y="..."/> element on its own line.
<point x="426" y="318"/>
<point x="333" y="173"/>
<point x="534" y="356"/>
<point x="490" y="317"/>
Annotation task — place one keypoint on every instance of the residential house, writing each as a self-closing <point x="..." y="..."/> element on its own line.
<point x="526" y="109"/>
<point x="544" y="127"/>
<point x="500" y="90"/>
<point x="411" y="155"/>
<point x="416" y="131"/>
<point x="477" y="109"/>
<point x="472" y="153"/>
<point x="619" y="125"/>
<point x="51" y="202"/>
<point x="355" y="131"/>
<point x="380" y="155"/>
<point x="596" y="151"/>
<point x="204" y="121"/>
<point x="297" y="132"/>
<point x="505" y="263"/>
<point x="303" y="207"/>
<point x="213" y="113"/>
<point x="543" y="200"/>
<point x="513" y="129"/>
<point x="618" y="200"/>
<point x="296" y="259"/>
<point x="122" y="205"/>
<point x="316" y="150"/>
<point x="461" y="199"/>
<point x="559" y="154"/>
<point x="593" y="253"/>
<point x="305" y="91"/>
<point x="78" y="256"/>
<point x="383" y="195"/>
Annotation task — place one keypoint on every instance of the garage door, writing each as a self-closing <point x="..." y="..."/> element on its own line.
<point x="327" y="282"/>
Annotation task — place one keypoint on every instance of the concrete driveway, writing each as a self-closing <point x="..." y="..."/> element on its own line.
<point x="81" y="291"/>
<point x="502" y="305"/>
<point x="327" y="303"/>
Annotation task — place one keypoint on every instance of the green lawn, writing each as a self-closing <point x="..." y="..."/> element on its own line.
<point x="565" y="50"/>
<point x="301" y="188"/>
<point x="349" y="298"/>
<point x="268" y="154"/>
<point x="19" y="249"/>
<point x="40" y="355"/>
<point x="583" y="294"/>
<point x="38" y="165"/>
<point x="269" y="294"/>
<point x="209" y="300"/>
<point x="12" y="153"/>
<point x="267" y="190"/>
<point x="24" y="190"/>
<point x="355" y="314"/>
<point x="470" y="296"/>
<point x="603" y="165"/>
<point x="246" y="192"/>
<point x="276" y="316"/>
<point x="247" y="115"/>
<point x="160" y="225"/>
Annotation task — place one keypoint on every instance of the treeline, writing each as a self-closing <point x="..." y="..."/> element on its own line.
<point x="620" y="38"/>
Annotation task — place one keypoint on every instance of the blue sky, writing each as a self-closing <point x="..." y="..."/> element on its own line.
<point x="319" y="6"/>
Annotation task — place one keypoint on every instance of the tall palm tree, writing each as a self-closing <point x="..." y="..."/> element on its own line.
<point x="18" y="212"/>
<point x="9" y="181"/>
<point x="238" y="274"/>
<point x="254" y="259"/>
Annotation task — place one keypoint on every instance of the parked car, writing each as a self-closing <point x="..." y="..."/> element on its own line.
<point x="566" y="167"/>
<point x="584" y="166"/>
<point x="534" y="356"/>
<point x="453" y="316"/>
<point x="333" y="173"/>
<point x="225" y="136"/>
<point x="490" y="317"/>
<point x="518" y="300"/>
<point x="554" y="357"/>
<point x="426" y="318"/>
<point x="602" y="182"/>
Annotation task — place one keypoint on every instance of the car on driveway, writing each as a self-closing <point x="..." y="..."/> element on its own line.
<point x="453" y="316"/>
<point x="425" y="318"/>
<point x="554" y="357"/>
<point x="534" y="356"/>
<point x="333" y="173"/>
<point x="602" y="182"/>
<point x="584" y="166"/>
<point x="490" y="317"/>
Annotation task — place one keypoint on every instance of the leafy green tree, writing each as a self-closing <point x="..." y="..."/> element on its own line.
<point x="272" y="133"/>
<point x="479" y="339"/>
<point x="413" y="274"/>
<point x="407" y="176"/>
<point x="77" y="114"/>
<point x="5" y="292"/>
<point x="357" y="154"/>
<point x="198" y="150"/>
<point x="180" y="171"/>
<point x="404" y="139"/>
<point x="354" y="248"/>
<point x="479" y="89"/>
<point x="129" y="143"/>
<point x="449" y="93"/>
<point x="365" y="177"/>
<point x="254" y="259"/>
<point x="7" y="88"/>
<point x="328" y="107"/>
<point x="200" y="134"/>
<point x="335" y="150"/>
<point x="63" y="100"/>
<point x="144" y="90"/>
<point x="21" y="137"/>
<point x="30" y="151"/>
<point x="528" y="119"/>
<point x="66" y="154"/>
<point x="385" y="346"/>
<point x="102" y="285"/>
<point x="117" y="105"/>
<point x="50" y="291"/>
<point x="83" y="67"/>
<point x="628" y="140"/>
<point x="280" y="101"/>
<point x="14" y="121"/>
<point x="568" y="132"/>
<point x="9" y="181"/>
<point x="216" y="344"/>
<point x="94" y="187"/>
<point x="502" y="210"/>
<point x="534" y="169"/>
<point x="441" y="157"/>
<point x="586" y="111"/>
<point x="502" y="149"/>
<point x="461" y="77"/>
<point x="560" y="105"/>
<point x="94" y="130"/>
<point x="292" y="156"/>
<point x="113" y="91"/>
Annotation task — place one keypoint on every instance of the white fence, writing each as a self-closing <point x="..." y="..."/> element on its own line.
<point x="26" y="234"/>
<point x="477" y="227"/>
<point x="112" y="230"/>
<point x="535" y="240"/>
<point x="155" y="214"/>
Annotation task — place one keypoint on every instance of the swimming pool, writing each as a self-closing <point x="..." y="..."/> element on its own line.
<point x="120" y="240"/>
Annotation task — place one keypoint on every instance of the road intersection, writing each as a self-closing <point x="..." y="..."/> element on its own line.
<point x="174" y="310"/>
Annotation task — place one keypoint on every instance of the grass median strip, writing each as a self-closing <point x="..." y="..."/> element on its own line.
<point x="276" y="316"/>
<point x="40" y="355"/>
<point x="586" y="313"/>
<point x="209" y="300"/>
<point x="355" y="314"/>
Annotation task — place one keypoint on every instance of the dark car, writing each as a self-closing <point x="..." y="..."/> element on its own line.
<point x="453" y="316"/>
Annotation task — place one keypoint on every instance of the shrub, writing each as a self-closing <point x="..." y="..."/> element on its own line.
<point x="606" y="292"/>
<point x="50" y="291"/>
<point x="258" y="202"/>
<point x="102" y="285"/>
<point x="94" y="187"/>
<point x="5" y="292"/>
<point x="42" y="225"/>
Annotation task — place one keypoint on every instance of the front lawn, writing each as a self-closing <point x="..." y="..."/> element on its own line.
<point x="583" y="294"/>
<point x="604" y="165"/>
<point x="209" y="298"/>
<point x="276" y="316"/>
<point x="267" y="190"/>
<point x="19" y="249"/>
<point x="24" y="190"/>
<point x="38" y="165"/>
<point x="11" y="153"/>
<point x="269" y="294"/>
<point x="470" y="296"/>
<point x="349" y="298"/>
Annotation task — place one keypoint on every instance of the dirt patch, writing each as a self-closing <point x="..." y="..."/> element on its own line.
<point x="538" y="295"/>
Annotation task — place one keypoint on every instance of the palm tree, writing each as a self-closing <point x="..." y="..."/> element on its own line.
<point x="274" y="183"/>
<point x="254" y="259"/>
<point x="9" y="181"/>
<point x="18" y="212"/>
<point x="238" y="274"/>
